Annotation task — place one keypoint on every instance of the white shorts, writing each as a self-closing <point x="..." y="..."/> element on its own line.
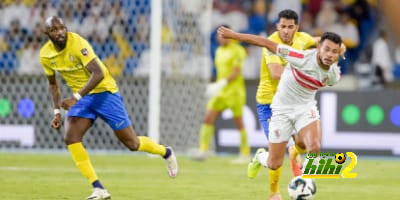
<point x="286" y="123"/>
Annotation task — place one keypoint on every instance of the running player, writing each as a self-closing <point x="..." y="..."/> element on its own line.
<point x="227" y="93"/>
<point x="271" y="69"/>
<point x="294" y="109"/>
<point x="95" y="94"/>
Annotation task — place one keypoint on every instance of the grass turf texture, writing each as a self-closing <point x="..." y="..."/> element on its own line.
<point x="136" y="176"/>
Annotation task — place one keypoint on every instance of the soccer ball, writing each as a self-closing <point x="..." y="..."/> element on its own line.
<point x="302" y="188"/>
<point x="340" y="158"/>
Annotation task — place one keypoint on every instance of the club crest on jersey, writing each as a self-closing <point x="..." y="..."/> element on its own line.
<point x="84" y="52"/>
<point x="277" y="133"/>
<point x="284" y="52"/>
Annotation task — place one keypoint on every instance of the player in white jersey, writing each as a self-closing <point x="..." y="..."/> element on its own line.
<point x="294" y="106"/>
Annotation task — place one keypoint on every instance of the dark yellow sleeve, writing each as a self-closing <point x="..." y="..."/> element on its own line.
<point x="46" y="67"/>
<point x="86" y="52"/>
<point x="309" y="40"/>
<point x="271" y="58"/>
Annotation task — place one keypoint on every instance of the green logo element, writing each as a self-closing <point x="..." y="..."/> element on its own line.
<point x="331" y="166"/>
<point x="5" y="107"/>
<point x="375" y="115"/>
<point x="325" y="164"/>
<point x="351" y="114"/>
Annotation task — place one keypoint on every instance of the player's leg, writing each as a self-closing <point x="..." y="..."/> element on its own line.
<point x="119" y="121"/>
<point x="275" y="160"/>
<point x="310" y="137"/>
<point x="309" y="134"/>
<point x="244" y="148"/>
<point x="295" y="152"/>
<point x="264" y="113"/>
<point x="75" y="128"/>
<point x="280" y="131"/>
<point x="207" y="129"/>
<point x="260" y="157"/>
<point x="214" y="107"/>
<point x="129" y="138"/>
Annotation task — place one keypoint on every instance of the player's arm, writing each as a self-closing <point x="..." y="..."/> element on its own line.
<point x="248" y="38"/>
<point x="213" y="88"/>
<point x="292" y="55"/>
<point x="96" y="75"/>
<point x="273" y="63"/>
<point x="95" y="78"/>
<point x="54" y="91"/>
<point x="275" y="70"/>
<point x="235" y="73"/>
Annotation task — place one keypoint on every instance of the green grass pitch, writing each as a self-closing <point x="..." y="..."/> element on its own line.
<point x="137" y="176"/>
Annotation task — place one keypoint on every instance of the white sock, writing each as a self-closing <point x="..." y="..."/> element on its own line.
<point x="263" y="158"/>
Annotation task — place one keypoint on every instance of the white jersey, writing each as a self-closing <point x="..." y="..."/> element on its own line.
<point x="301" y="78"/>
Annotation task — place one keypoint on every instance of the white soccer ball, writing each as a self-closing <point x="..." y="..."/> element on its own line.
<point x="302" y="188"/>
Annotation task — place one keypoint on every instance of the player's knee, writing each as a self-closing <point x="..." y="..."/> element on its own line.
<point x="134" y="145"/>
<point x="314" y="148"/>
<point x="70" y="140"/>
<point x="274" y="164"/>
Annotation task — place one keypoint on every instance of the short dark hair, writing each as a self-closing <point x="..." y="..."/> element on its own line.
<point x="225" y="25"/>
<point x="289" y="14"/>
<point x="332" y="37"/>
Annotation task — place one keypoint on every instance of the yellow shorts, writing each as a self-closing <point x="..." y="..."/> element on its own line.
<point x="220" y="103"/>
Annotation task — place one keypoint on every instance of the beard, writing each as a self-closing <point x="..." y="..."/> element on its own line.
<point x="59" y="42"/>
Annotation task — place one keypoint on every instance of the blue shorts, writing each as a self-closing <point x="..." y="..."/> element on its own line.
<point x="264" y="115"/>
<point x="106" y="105"/>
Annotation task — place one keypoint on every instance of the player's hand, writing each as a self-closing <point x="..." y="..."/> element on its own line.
<point x="56" y="122"/>
<point x="343" y="50"/>
<point x="226" y="33"/>
<point x="68" y="103"/>
<point x="213" y="88"/>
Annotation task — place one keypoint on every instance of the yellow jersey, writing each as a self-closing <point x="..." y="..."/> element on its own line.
<point x="226" y="58"/>
<point x="267" y="86"/>
<point x="71" y="64"/>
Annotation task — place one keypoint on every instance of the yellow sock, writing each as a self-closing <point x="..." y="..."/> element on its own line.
<point x="244" y="146"/>
<point x="296" y="150"/>
<point x="206" y="132"/>
<point x="274" y="177"/>
<point x="82" y="161"/>
<point x="149" y="146"/>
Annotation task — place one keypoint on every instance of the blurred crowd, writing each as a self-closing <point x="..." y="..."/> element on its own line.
<point x="119" y="30"/>
<point x="106" y="24"/>
<point x="372" y="52"/>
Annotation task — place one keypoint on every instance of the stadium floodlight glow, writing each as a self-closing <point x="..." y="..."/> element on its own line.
<point x="5" y="107"/>
<point x="395" y="115"/>
<point x="26" y="108"/>
<point x="351" y="114"/>
<point x="375" y="115"/>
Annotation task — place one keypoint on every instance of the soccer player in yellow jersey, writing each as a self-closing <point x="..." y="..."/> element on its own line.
<point x="271" y="69"/>
<point x="95" y="94"/>
<point x="227" y="93"/>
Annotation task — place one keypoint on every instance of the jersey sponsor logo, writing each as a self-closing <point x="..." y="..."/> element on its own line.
<point x="84" y="52"/>
<point x="313" y="113"/>
<point x="277" y="133"/>
<point x="117" y="125"/>
<point x="283" y="51"/>
<point x="71" y="58"/>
